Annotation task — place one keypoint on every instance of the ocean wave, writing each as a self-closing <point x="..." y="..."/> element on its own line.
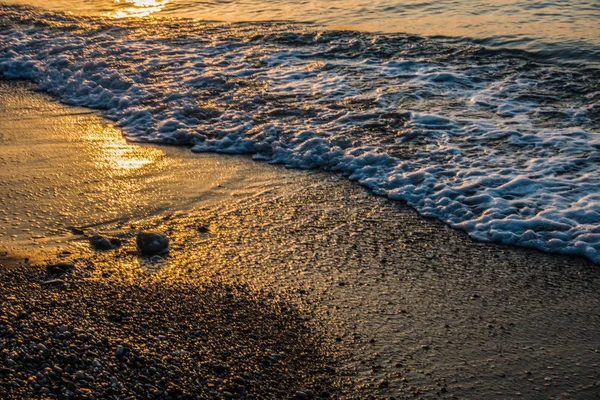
<point x="502" y="146"/>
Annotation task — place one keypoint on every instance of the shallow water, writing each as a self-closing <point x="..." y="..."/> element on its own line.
<point x="501" y="143"/>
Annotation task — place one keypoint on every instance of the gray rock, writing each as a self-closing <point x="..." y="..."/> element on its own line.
<point x="151" y="243"/>
<point x="57" y="283"/>
<point x="121" y="351"/>
<point x="101" y="243"/>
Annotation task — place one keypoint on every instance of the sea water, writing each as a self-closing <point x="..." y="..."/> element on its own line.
<point x="485" y="115"/>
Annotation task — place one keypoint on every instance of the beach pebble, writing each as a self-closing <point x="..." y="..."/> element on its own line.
<point x="384" y="383"/>
<point x="60" y="268"/>
<point x="57" y="283"/>
<point x="121" y="351"/>
<point x="151" y="243"/>
<point x="240" y="381"/>
<point x="77" y="231"/>
<point x="59" y="354"/>
<point x="221" y="368"/>
<point x="156" y="259"/>
<point x="101" y="243"/>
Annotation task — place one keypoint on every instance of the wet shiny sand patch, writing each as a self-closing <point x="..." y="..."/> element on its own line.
<point x="64" y="167"/>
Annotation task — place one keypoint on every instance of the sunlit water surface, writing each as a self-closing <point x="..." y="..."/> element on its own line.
<point x="533" y="25"/>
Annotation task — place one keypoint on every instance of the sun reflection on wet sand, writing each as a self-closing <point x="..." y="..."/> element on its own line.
<point x="65" y="167"/>
<point x="138" y="8"/>
<point x="111" y="151"/>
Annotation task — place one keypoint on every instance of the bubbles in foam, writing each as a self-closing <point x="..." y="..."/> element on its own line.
<point x="499" y="146"/>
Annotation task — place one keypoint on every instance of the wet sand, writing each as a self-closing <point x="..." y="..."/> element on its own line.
<point x="410" y="307"/>
<point x="63" y="167"/>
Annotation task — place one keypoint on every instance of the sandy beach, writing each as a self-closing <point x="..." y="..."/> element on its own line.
<point x="385" y="303"/>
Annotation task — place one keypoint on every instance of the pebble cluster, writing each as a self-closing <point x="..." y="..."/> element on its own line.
<point x="64" y="334"/>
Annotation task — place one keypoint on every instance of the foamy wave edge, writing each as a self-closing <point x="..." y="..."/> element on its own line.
<point x="229" y="93"/>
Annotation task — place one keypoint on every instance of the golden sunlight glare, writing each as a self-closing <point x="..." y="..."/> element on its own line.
<point x="138" y="8"/>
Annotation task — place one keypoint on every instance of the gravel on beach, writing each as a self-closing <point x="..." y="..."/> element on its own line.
<point x="93" y="338"/>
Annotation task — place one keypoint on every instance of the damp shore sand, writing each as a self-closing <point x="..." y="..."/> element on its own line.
<point x="384" y="303"/>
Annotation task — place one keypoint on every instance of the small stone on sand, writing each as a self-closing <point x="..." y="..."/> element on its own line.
<point x="151" y="243"/>
<point x="60" y="268"/>
<point x="101" y="243"/>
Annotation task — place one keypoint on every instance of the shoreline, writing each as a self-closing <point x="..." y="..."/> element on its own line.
<point x="422" y="123"/>
<point x="411" y="306"/>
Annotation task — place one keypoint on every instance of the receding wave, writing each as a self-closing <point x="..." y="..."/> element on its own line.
<point x="498" y="144"/>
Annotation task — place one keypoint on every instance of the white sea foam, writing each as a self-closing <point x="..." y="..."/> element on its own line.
<point x="503" y="148"/>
